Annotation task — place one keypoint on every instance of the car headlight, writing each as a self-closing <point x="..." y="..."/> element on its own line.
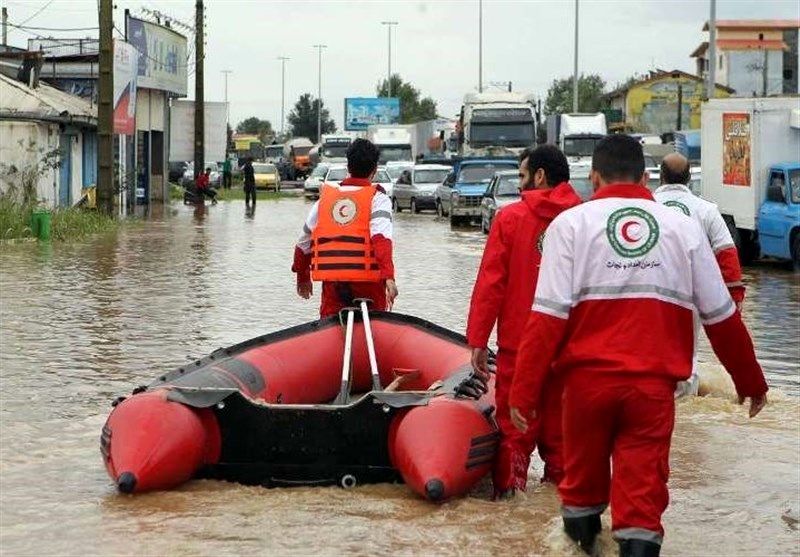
<point x="454" y="198"/>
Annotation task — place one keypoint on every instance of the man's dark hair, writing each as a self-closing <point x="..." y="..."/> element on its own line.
<point x="675" y="174"/>
<point x="550" y="159"/>
<point x="619" y="158"/>
<point x="525" y="154"/>
<point x="362" y="158"/>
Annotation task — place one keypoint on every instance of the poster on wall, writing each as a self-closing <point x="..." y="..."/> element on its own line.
<point x="362" y="112"/>
<point x="125" y="70"/>
<point x="736" y="149"/>
<point x="162" y="56"/>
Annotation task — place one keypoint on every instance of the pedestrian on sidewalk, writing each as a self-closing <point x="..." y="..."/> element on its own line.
<point x="227" y="173"/>
<point x="619" y="280"/>
<point x="347" y="239"/>
<point x="503" y="294"/>
<point x="249" y="182"/>
<point x="674" y="192"/>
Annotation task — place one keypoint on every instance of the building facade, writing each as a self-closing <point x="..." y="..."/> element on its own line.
<point x="755" y="58"/>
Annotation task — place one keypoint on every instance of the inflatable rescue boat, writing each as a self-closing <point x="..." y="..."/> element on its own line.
<point x="364" y="397"/>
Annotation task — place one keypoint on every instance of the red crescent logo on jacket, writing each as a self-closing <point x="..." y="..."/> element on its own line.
<point x="344" y="211"/>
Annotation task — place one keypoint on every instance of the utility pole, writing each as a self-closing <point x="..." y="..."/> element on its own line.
<point x="319" y="48"/>
<point x="199" y="91"/>
<point x="575" y="65"/>
<point x="389" y="25"/>
<point x="680" y="107"/>
<point x="480" y="46"/>
<point x="227" y="110"/>
<point x="712" y="52"/>
<point x="5" y="26"/>
<point x="105" y="110"/>
<point x="283" y="60"/>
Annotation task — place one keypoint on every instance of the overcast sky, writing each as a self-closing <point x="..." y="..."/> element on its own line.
<point x="435" y="44"/>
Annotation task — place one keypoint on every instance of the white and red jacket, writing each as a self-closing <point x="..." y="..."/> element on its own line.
<point x="707" y="215"/>
<point x="619" y="280"/>
<point x="503" y="291"/>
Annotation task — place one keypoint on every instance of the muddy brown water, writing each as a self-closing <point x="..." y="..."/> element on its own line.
<point x="82" y="323"/>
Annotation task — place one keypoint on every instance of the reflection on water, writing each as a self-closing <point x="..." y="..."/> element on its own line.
<point x="82" y="323"/>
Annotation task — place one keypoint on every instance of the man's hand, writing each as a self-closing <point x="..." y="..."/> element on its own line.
<point x="480" y="360"/>
<point x="305" y="289"/>
<point x="391" y="293"/>
<point x="757" y="404"/>
<point x="520" y="421"/>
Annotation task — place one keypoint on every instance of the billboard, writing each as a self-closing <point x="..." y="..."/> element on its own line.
<point x="162" y="56"/>
<point x="181" y="131"/>
<point x="361" y="112"/>
<point x="735" y="149"/>
<point x="125" y="70"/>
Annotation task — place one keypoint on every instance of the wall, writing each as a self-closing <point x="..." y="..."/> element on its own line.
<point x="151" y="115"/>
<point x="652" y="107"/>
<point x="22" y="145"/>
<point x="745" y="72"/>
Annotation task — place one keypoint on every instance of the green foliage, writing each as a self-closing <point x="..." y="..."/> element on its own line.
<point x="257" y="126"/>
<point x="412" y="107"/>
<point x="591" y="89"/>
<point x="21" y="182"/>
<point x="303" y="118"/>
<point x="66" y="224"/>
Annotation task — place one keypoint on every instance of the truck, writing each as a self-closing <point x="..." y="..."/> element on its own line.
<point x="751" y="170"/>
<point x="333" y="148"/>
<point x="396" y="142"/>
<point x="496" y="124"/>
<point x="435" y="139"/>
<point x="296" y="155"/>
<point x="576" y="134"/>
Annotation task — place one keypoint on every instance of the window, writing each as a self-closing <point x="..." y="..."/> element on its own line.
<point x="775" y="190"/>
<point x="336" y="174"/>
<point x="508" y="186"/>
<point x="794" y="184"/>
<point x="719" y="66"/>
<point x="434" y="176"/>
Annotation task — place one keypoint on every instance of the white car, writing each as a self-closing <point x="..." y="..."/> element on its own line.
<point x="215" y="178"/>
<point x="383" y="179"/>
<point x="396" y="168"/>
<point x="414" y="189"/>
<point x="313" y="182"/>
<point x="335" y="174"/>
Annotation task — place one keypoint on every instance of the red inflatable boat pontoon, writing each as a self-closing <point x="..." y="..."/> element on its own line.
<point x="260" y="413"/>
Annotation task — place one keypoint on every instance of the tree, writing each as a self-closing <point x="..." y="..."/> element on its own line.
<point x="256" y="126"/>
<point x="590" y="94"/>
<point x="412" y="108"/>
<point x="303" y="118"/>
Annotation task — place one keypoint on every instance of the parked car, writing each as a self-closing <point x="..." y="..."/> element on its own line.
<point x="460" y="195"/>
<point x="266" y="176"/>
<point x="415" y="188"/>
<point x="502" y="190"/>
<point x="395" y="169"/>
<point x="335" y="174"/>
<point x="313" y="182"/>
<point x="383" y="179"/>
<point x="176" y="170"/>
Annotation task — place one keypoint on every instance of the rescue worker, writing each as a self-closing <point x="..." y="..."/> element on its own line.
<point x="503" y="294"/>
<point x="674" y="192"/>
<point x="620" y="277"/>
<point x="347" y="239"/>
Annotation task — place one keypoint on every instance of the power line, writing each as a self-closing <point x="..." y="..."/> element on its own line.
<point x="26" y="27"/>
<point x="37" y="12"/>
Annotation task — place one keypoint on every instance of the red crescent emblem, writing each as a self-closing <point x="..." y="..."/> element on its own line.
<point x="624" y="231"/>
<point x="341" y="211"/>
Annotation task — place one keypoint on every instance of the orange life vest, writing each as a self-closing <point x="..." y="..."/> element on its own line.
<point x="341" y="244"/>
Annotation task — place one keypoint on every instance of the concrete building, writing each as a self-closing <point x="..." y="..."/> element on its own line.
<point x="650" y="105"/>
<point x="48" y="143"/>
<point x="754" y="57"/>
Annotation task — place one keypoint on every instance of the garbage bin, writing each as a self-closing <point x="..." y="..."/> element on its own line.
<point x="40" y="223"/>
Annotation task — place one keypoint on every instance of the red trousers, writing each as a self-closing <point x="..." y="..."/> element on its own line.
<point x="339" y="295"/>
<point x="624" y="423"/>
<point x="514" y="453"/>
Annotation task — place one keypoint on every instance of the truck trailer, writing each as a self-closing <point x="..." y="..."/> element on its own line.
<point x="751" y="170"/>
<point x="576" y="134"/>
<point x="396" y="142"/>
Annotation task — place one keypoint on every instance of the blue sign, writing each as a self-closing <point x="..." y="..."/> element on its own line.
<point x="361" y="112"/>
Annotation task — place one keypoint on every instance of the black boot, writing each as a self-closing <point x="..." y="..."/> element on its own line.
<point x="638" y="548"/>
<point x="583" y="530"/>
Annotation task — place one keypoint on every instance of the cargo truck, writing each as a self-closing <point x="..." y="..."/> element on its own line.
<point x="396" y="142"/>
<point x="576" y="134"/>
<point x="296" y="154"/>
<point x="496" y="124"/>
<point x="751" y="170"/>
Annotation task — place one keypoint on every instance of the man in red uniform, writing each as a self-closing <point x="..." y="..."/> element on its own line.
<point x="613" y="315"/>
<point x="347" y="239"/>
<point x="503" y="293"/>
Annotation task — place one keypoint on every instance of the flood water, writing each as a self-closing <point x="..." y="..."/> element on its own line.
<point x="85" y="322"/>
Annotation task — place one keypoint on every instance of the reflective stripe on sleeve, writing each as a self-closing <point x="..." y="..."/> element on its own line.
<point x="719" y="314"/>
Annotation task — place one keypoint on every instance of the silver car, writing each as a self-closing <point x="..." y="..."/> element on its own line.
<point x="415" y="188"/>
<point x="502" y="190"/>
<point x="313" y="182"/>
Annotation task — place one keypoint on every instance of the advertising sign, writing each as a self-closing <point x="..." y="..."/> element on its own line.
<point x="181" y="131"/>
<point x="362" y="112"/>
<point x="735" y="149"/>
<point x="125" y="70"/>
<point x="162" y="56"/>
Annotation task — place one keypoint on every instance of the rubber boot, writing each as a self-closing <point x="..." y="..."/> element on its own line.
<point x="638" y="548"/>
<point x="583" y="530"/>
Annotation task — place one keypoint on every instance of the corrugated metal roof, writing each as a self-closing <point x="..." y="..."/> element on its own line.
<point x="44" y="101"/>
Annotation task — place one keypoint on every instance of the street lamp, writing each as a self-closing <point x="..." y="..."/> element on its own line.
<point x="283" y="60"/>
<point x="319" y="48"/>
<point x="389" y="25"/>
<point x="575" y="67"/>
<point x="480" y="46"/>
<point x="227" y="108"/>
